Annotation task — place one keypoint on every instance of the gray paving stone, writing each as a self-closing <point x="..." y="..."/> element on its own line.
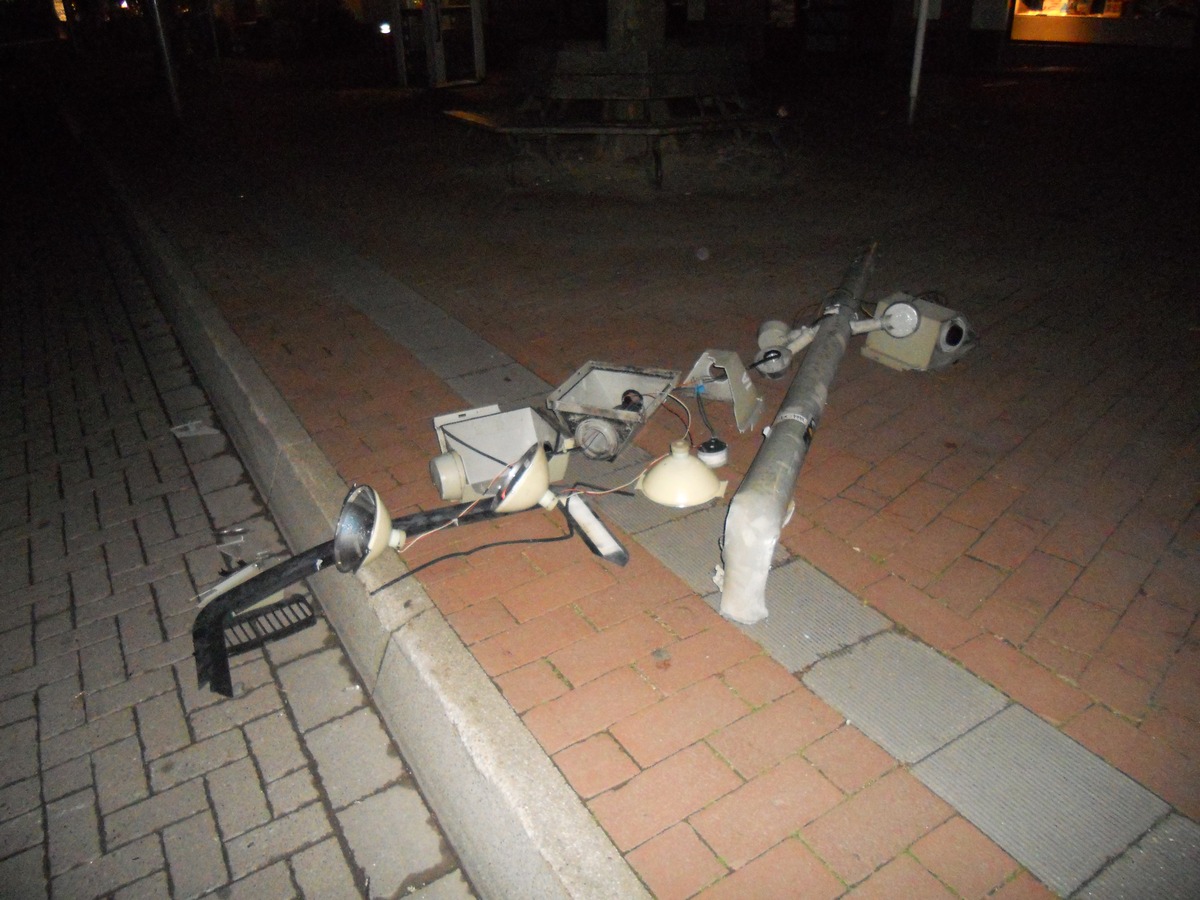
<point x="22" y="832"/>
<point x="102" y="665"/>
<point x="16" y="709"/>
<point x="272" y="883"/>
<point x="389" y="857"/>
<point x="16" y="649"/>
<point x="152" y="887"/>
<point x="232" y="505"/>
<point x="1164" y="863"/>
<point x="320" y="688"/>
<point x="23" y="594"/>
<point x="50" y="606"/>
<point x="87" y="738"/>
<point x="1057" y="809"/>
<point x="18" y="751"/>
<point x="903" y="695"/>
<point x="250" y="671"/>
<point x="180" y="626"/>
<point x="154" y="813"/>
<point x="194" y="857"/>
<point x="147" y="574"/>
<point x="120" y="777"/>
<point x="452" y="886"/>
<point x="107" y="609"/>
<point x="218" y="472"/>
<point x="125" y="511"/>
<point x="197" y="759"/>
<point x="355" y="757"/>
<point x="161" y="655"/>
<point x="67" y="778"/>
<point x="237" y="798"/>
<point x="123" y="554"/>
<point x="278" y="839"/>
<point x="321" y="871"/>
<point x="113" y="870"/>
<point x="90" y="584"/>
<point x="174" y="594"/>
<point x="52" y="625"/>
<point x="19" y="797"/>
<point x="154" y="528"/>
<point x="87" y="634"/>
<point x="23" y="876"/>
<point x="14" y="615"/>
<point x="161" y="724"/>
<point x="178" y="546"/>
<point x="253" y="704"/>
<point x="72" y="831"/>
<point x="139" y="628"/>
<point x="184" y="504"/>
<point x="291" y="792"/>
<point x="275" y="745"/>
<point x="129" y="692"/>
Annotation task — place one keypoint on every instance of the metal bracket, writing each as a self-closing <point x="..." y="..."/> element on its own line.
<point x="731" y="383"/>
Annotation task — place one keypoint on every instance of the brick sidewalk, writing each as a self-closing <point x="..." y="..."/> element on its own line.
<point x="120" y="777"/>
<point x="662" y="715"/>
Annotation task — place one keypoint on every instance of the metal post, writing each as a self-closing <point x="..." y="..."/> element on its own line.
<point x="918" y="56"/>
<point x="398" y="43"/>
<point x="212" y="27"/>
<point x="168" y="68"/>
<point x="761" y="505"/>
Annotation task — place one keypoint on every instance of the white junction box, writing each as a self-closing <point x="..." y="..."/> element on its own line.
<point x="478" y="444"/>
<point x="942" y="337"/>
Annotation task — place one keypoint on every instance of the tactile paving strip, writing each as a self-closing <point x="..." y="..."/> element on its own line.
<point x="905" y="696"/>
<point x="810" y="617"/>
<point x="689" y="547"/>
<point x="1164" y="863"/>
<point x="1058" y="809"/>
<point x="474" y="368"/>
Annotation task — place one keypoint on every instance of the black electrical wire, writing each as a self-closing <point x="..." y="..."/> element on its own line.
<point x="455" y="437"/>
<point x="767" y="357"/>
<point x="677" y="414"/>
<point x="463" y="553"/>
<point x="703" y="413"/>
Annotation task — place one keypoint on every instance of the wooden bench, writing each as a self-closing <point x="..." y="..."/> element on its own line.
<point x="523" y="129"/>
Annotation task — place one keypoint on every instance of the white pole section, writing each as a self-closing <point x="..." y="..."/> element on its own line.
<point x="918" y="54"/>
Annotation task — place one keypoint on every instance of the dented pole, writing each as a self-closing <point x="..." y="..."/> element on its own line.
<point x="762" y="504"/>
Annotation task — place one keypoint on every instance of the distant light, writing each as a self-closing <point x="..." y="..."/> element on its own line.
<point x="124" y="4"/>
<point x="385" y="27"/>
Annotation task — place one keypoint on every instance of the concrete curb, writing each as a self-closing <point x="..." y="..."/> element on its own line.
<point x="519" y="829"/>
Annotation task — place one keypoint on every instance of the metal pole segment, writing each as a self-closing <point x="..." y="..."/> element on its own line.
<point x="918" y="55"/>
<point x="761" y="505"/>
<point x="165" y="48"/>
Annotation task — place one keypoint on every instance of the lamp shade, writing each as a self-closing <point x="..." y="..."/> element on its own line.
<point x="681" y="480"/>
<point x="364" y="529"/>
<point x="526" y="485"/>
